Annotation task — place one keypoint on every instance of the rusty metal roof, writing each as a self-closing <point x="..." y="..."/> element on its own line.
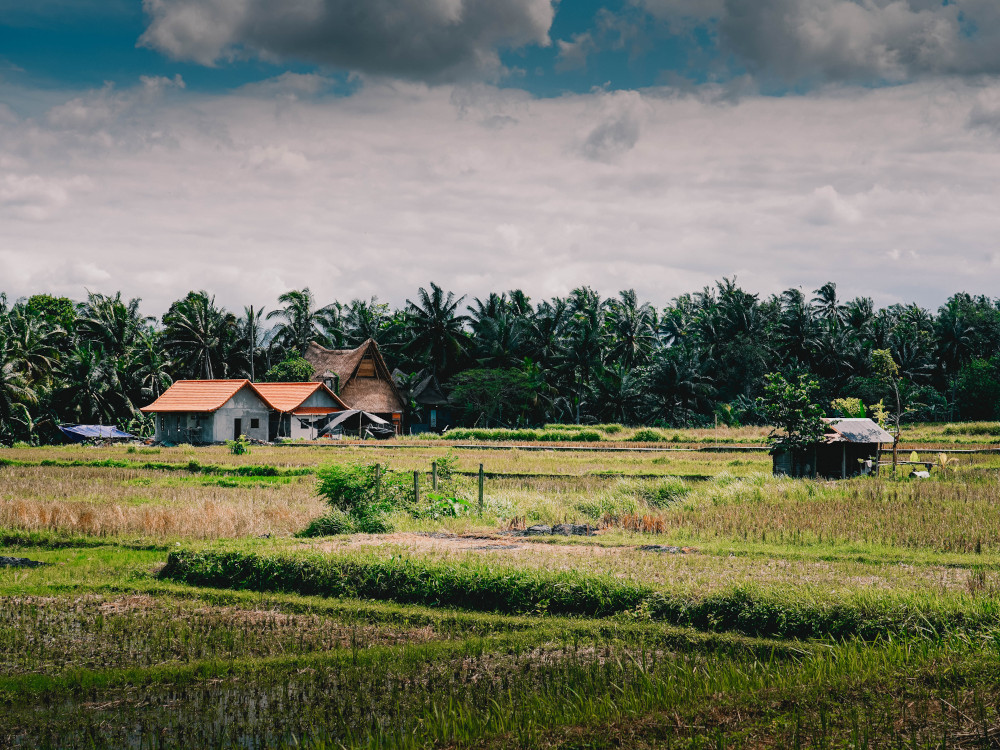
<point x="855" y="430"/>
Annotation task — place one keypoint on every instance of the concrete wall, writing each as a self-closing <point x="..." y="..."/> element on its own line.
<point x="245" y="406"/>
<point x="319" y="398"/>
<point x="184" y="427"/>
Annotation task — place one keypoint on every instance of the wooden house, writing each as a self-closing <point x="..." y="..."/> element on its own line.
<point x="213" y="411"/>
<point x="849" y="447"/>
<point x="360" y="378"/>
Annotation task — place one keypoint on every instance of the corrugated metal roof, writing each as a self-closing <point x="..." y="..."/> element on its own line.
<point x="197" y="395"/>
<point x="855" y="430"/>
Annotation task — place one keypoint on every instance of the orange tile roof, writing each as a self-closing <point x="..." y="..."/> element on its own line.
<point x="286" y="397"/>
<point x="210" y="395"/>
<point x="309" y="411"/>
<point x="197" y="395"/>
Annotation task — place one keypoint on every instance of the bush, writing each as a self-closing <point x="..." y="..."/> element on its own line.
<point x="361" y="494"/>
<point x="647" y="435"/>
<point x="240" y="446"/>
<point x="332" y="524"/>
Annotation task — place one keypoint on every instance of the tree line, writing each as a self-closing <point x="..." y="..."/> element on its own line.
<point x="506" y="360"/>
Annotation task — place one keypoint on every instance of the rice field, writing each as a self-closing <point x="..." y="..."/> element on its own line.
<point x="714" y="606"/>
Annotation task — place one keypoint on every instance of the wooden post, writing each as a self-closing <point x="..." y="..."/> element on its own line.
<point x="434" y="475"/>
<point x="480" y="489"/>
<point x="378" y="482"/>
<point x="416" y="487"/>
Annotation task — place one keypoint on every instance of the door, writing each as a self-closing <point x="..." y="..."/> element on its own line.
<point x="237" y="428"/>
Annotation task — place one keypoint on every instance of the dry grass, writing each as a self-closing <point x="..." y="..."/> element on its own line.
<point x="124" y="502"/>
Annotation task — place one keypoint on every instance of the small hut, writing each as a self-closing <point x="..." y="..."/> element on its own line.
<point x="849" y="448"/>
<point x="360" y="378"/>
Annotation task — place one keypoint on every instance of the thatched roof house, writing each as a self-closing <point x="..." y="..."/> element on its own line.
<point x="360" y="377"/>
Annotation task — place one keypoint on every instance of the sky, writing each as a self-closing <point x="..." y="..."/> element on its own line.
<point x="369" y="147"/>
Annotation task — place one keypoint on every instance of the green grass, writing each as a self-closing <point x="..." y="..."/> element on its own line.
<point x="856" y="614"/>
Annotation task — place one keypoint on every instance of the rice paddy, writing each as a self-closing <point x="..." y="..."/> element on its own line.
<point x="715" y="606"/>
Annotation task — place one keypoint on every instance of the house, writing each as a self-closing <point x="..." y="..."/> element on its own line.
<point x="299" y="410"/>
<point x="213" y="411"/>
<point x="433" y="407"/>
<point x="849" y="447"/>
<point x="360" y="377"/>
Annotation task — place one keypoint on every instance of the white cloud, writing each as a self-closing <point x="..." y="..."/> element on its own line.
<point x="253" y="193"/>
<point x="417" y="39"/>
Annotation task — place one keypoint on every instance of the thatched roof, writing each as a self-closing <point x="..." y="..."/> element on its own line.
<point x="371" y="391"/>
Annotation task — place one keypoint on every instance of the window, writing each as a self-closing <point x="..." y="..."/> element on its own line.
<point x="254" y="424"/>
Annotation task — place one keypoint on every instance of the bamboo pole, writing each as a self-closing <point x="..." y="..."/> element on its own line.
<point x="481" y="489"/>
<point x="416" y="487"/>
<point x="434" y="475"/>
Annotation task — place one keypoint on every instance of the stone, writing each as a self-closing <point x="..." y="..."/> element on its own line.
<point x="20" y="562"/>
<point x="539" y="530"/>
<point x="572" y="529"/>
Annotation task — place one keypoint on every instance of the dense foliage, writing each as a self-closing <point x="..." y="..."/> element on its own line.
<point x="509" y="362"/>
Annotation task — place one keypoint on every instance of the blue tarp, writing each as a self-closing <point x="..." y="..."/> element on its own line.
<point x="80" y="432"/>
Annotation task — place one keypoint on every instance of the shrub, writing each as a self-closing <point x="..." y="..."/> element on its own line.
<point x="647" y="435"/>
<point x="361" y="494"/>
<point x="240" y="446"/>
<point x="332" y="524"/>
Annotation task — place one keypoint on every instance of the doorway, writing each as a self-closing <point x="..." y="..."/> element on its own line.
<point x="237" y="428"/>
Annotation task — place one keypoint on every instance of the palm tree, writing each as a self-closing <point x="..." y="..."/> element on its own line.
<point x="197" y="334"/>
<point x="437" y="335"/>
<point x="302" y="322"/>
<point x="827" y="307"/>
<point x="365" y="320"/>
<point x="91" y="391"/>
<point x="633" y="329"/>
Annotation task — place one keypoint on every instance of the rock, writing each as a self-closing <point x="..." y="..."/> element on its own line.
<point x="573" y="529"/>
<point x="539" y="530"/>
<point x="20" y="562"/>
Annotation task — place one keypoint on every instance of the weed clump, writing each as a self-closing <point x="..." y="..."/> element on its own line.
<point x="647" y="435"/>
<point x="360" y="499"/>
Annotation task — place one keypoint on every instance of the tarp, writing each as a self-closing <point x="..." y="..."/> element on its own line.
<point x="379" y="427"/>
<point x="80" y="432"/>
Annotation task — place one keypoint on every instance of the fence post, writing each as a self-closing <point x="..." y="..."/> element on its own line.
<point x="378" y="482"/>
<point x="434" y="475"/>
<point x="416" y="486"/>
<point x="480" y="489"/>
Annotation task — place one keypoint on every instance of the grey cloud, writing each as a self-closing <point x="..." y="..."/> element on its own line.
<point x="848" y="40"/>
<point x="619" y="128"/>
<point x="428" y="40"/>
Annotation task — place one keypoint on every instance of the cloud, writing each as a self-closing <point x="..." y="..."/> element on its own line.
<point x="848" y="40"/>
<point x="430" y="40"/>
<point x="250" y="194"/>
<point x="618" y="129"/>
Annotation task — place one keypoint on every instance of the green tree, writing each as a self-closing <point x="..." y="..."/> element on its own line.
<point x="437" y="335"/>
<point x="792" y="408"/>
<point x="300" y="322"/>
<point x="291" y="370"/>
